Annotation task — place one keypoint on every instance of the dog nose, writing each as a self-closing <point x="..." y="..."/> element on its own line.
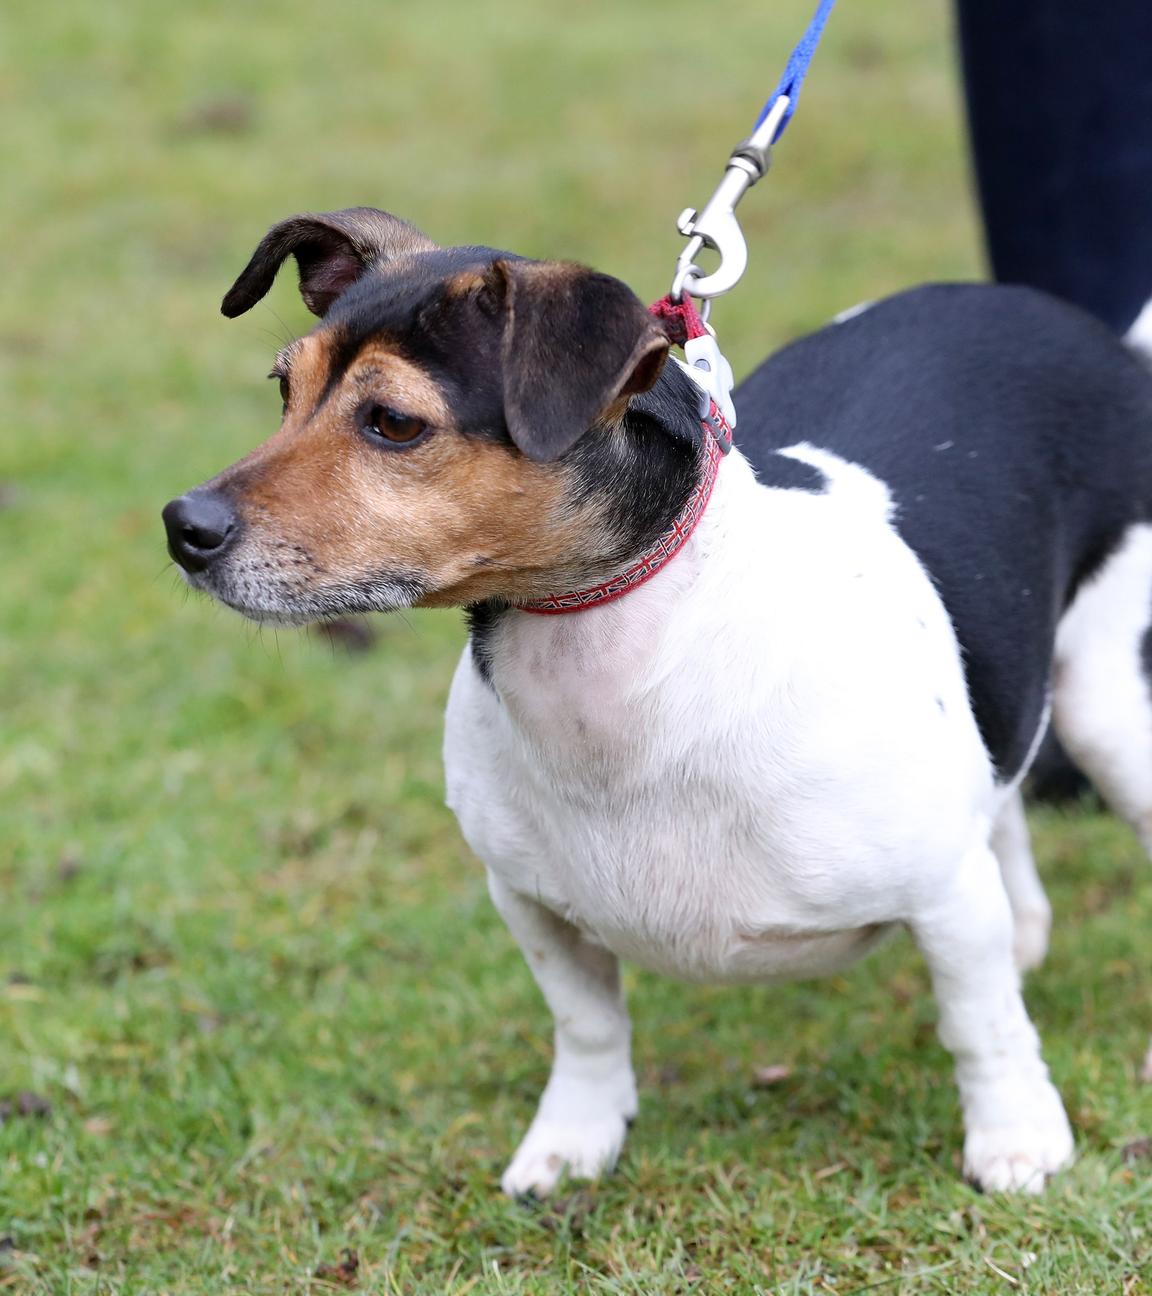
<point x="199" y="528"/>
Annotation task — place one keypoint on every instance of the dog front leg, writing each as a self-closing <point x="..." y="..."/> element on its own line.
<point x="582" y="1118"/>
<point x="1016" y="1132"/>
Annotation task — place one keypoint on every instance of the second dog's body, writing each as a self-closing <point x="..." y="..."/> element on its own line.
<point x="805" y="730"/>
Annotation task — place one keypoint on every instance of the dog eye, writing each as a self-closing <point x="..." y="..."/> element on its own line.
<point x="285" y="386"/>
<point x="392" y="426"/>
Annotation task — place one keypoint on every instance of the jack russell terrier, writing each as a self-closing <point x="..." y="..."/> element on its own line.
<point x="731" y="717"/>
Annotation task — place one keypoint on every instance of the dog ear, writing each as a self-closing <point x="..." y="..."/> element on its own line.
<point x="574" y="341"/>
<point x="332" y="249"/>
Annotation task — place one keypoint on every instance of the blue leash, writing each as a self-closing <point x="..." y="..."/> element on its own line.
<point x="716" y="226"/>
<point x="796" y="68"/>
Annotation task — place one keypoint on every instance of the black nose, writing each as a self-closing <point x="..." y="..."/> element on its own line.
<point x="200" y="527"/>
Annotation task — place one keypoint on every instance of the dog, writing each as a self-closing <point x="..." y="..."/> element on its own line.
<point x="731" y="717"/>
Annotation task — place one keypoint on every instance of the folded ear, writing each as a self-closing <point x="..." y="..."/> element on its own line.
<point x="574" y="341"/>
<point x="332" y="250"/>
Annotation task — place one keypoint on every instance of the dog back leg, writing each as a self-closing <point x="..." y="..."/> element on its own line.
<point x="1031" y="912"/>
<point x="584" y="1111"/>
<point x="1102" y="699"/>
<point x="1102" y="705"/>
<point x="1015" y="1131"/>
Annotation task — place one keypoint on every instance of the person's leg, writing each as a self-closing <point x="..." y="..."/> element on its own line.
<point x="1060" y="112"/>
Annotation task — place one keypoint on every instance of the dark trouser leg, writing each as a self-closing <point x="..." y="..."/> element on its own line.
<point x="1060" y="112"/>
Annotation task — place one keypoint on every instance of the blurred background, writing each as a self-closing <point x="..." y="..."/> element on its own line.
<point x="261" y="1030"/>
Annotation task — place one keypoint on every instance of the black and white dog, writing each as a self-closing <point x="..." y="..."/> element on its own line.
<point x="797" y="689"/>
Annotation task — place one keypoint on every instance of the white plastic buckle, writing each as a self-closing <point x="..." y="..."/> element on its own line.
<point x="711" y="372"/>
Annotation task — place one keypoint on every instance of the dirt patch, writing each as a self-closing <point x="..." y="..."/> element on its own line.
<point x="346" y="1273"/>
<point x="1138" y="1150"/>
<point x="22" y="1105"/>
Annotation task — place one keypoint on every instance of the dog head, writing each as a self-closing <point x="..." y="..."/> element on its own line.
<point x="456" y="428"/>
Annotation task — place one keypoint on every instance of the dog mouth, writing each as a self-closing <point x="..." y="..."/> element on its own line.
<point x="271" y="599"/>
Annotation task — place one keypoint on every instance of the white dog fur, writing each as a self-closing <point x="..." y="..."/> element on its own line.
<point x="833" y="795"/>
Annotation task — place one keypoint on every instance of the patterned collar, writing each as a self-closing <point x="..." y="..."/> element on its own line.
<point x="717" y="441"/>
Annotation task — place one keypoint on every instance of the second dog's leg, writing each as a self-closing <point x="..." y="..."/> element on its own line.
<point x="1031" y="912"/>
<point x="591" y="1094"/>
<point x="1016" y="1133"/>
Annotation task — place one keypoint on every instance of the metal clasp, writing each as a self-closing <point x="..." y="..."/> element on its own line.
<point x="709" y="369"/>
<point x="716" y="226"/>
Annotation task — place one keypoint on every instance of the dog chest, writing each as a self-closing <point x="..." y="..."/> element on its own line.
<point x="693" y="879"/>
<point x="745" y="775"/>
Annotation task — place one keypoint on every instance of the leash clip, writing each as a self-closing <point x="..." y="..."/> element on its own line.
<point x="716" y="227"/>
<point x="709" y="369"/>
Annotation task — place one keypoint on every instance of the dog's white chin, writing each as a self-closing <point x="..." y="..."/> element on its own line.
<point x="269" y="605"/>
<point x="280" y="617"/>
<point x="289" y="612"/>
<point x="262" y="614"/>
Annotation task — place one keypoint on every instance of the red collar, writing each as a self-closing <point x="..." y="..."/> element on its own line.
<point x="681" y="322"/>
<point x="716" y="443"/>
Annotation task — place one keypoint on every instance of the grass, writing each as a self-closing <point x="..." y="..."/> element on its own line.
<point x="245" y="960"/>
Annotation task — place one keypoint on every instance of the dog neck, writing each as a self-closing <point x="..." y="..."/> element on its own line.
<point x="669" y="543"/>
<point x="557" y="675"/>
<point x="654" y="471"/>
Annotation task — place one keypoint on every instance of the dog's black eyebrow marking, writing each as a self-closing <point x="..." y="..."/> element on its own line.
<point x="338" y="370"/>
<point x="340" y="356"/>
<point x="346" y="345"/>
<point x="343" y="349"/>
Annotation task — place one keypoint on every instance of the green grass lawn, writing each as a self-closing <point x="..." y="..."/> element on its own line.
<point x="269" y="1034"/>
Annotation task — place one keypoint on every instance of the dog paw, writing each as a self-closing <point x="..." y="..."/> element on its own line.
<point x="551" y="1149"/>
<point x="1030" y="941"/>
<point x="1019" y="1157"/>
